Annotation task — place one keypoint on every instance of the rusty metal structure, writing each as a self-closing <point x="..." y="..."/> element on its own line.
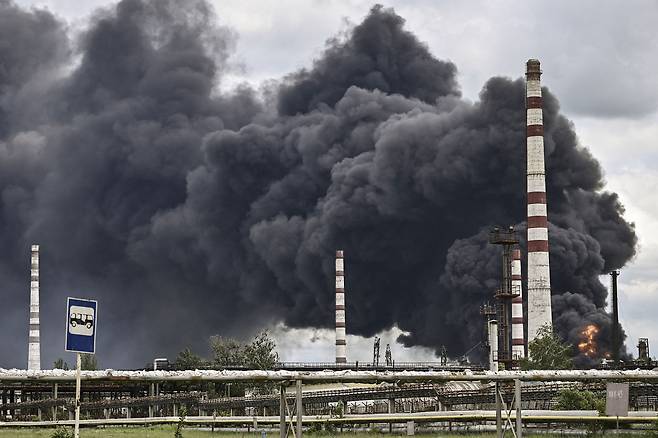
<point x="539" y="273"/>
<point x="643" y="350"/>
<point x="375" y="352"/>
<point x="505" y="294"/>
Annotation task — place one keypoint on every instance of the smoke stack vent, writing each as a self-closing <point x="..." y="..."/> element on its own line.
<point x="341" y="342"/>
<point x="539" y="276"/>
<point x="34" y="340"/>
<point x="518" y="339"/>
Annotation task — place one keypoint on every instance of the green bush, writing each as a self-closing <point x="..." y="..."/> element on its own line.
<point x="575" y="400"/>
<point x="62" y="432"/>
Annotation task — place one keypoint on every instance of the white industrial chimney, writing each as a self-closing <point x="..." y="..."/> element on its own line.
<point x="539" y="274"/>
<point x="34" y="340"/>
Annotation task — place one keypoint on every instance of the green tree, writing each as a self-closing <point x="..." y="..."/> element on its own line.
<point x="227" y="352"/>
<point x="548" y="352"/>
<point x="188" y="360"/>
<point x="261" y="353"/>
<point x="88" y="362"/>
<point x="59" y="364"/>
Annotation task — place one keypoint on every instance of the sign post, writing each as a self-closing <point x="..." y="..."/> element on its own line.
<point x="616" y="400"/>
<point x="81" y="322"/>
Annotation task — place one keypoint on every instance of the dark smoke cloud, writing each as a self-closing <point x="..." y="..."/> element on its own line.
<point x="189" y="212"/>
<point x="378" y="54"/>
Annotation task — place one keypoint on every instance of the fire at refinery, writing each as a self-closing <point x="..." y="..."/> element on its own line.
<point x="588" y="345"/>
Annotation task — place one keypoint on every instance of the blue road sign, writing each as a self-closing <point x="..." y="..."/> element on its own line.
<point x="81" y="321"/>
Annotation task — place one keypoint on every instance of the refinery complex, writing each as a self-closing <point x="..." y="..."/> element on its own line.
<point x="450" y="393"/>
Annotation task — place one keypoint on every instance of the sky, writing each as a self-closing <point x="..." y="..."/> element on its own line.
<point x="597" y="57"/>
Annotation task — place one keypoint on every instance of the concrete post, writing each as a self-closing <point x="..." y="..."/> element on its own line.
<point x="282" y="411"/>
<point x="54" y="408"/>
<point x="300" y="409"/>
<point x="411" y="428"/>
<point x="391" y="406"/>
<point x="517" y="397"/>
<point x="175" y="410"/>
<point x="499" y="422"/>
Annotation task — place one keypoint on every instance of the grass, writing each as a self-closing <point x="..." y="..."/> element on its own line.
<point x="168" y="432"/>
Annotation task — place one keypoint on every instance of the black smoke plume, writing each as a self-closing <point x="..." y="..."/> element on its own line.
<point x="188" y="211"/>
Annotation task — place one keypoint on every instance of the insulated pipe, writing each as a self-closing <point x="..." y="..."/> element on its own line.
<point x="118" y="376"/>
<point x="341" y="342"/>
<point x="34" y="339"/>
<point x="518" y="339"/>
<point x="539" y="275"/>
<point x="493" y="345"/>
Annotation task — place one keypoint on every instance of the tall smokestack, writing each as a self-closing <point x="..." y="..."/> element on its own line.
<point x="341" y="342"/>
<point x="539" y="275"/>
<point x="518" y="339"/>
<point x="34" y="340"/>
<point x="615" y="320"/>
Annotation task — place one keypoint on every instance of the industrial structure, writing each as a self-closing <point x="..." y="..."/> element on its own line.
<point x="34" y="339"/>
<point x="505" y="294"/>
<point x="615" y="319"/>
<point x="539" y="276"/>
<point x="341" y="338"/>
<point x="489" y="313"/>
<point x="518" y="337"/>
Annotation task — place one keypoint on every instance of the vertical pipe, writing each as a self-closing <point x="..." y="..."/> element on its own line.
<point x="282" y="411"/>
<point x="341" y="342"/>
<point x="493" y="345"/>
<point x="518" y="338"/>
<point x="300" y="409"/>
<point x="34" y="340"/>
<point x="615" y="320"/>
<point x="539" y="275"/>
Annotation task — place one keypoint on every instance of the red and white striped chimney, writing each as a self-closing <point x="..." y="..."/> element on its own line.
<point x="341" y="342"/>
<point x="539" y="275"/>
<point x="518" y="339"/>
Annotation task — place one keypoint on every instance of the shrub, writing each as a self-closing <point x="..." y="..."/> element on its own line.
<point x="178" y="433"/>
<point x="62" y="432"/>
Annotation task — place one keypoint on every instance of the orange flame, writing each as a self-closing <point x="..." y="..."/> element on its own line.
<point x="588" y="345"/>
